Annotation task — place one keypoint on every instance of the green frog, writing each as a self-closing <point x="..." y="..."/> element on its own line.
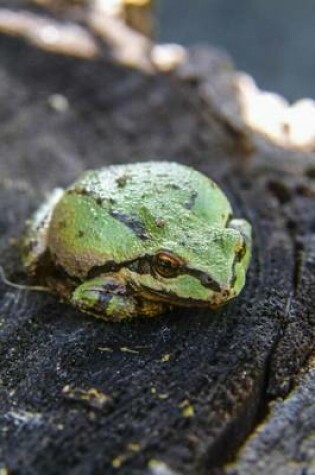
<point x="138" y="239"/>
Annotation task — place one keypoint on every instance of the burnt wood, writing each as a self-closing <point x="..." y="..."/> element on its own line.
<point x="187" y="389"/>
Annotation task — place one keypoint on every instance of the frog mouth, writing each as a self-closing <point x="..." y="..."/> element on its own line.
<point x="172" y="299"/>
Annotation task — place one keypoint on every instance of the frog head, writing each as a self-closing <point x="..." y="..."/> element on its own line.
<point x="203" y="268"/>
<point x="206" y="266"/>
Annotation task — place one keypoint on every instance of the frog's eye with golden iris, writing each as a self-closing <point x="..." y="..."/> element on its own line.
<point x="166" y="264"/>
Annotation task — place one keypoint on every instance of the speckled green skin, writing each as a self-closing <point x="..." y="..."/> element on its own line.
<point x="98" y="240"/>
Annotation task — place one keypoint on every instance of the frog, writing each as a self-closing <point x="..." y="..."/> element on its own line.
<point x="137" y="240"/>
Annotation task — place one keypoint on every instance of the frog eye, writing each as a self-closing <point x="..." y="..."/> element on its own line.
<point x="166" y="264"/>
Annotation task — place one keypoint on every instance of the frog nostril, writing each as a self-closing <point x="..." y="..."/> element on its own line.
<point x="207" y="281"/>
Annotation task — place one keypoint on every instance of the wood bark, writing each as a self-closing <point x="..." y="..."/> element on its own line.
<point x="181" y="393"/>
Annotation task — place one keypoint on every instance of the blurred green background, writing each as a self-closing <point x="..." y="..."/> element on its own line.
<point x="273" y="40"/>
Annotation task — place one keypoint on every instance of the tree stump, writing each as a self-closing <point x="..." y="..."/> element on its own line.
<point x="180" y="393"/>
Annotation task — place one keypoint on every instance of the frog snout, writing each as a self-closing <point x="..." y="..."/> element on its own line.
<point x="220" y="298"/>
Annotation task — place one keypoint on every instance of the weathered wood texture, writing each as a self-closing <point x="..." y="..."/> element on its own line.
<point x="222" y="368"/>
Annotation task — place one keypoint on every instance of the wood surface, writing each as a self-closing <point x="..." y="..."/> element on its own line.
<point x="192" y="392"/>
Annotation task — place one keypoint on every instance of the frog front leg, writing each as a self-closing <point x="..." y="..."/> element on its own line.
<point x="242" y="226"/>
<point x="245" y="230"/>
<point x="110" y="298"/>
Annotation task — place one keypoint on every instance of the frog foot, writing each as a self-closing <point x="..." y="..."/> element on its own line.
<point x="109" y="298"/>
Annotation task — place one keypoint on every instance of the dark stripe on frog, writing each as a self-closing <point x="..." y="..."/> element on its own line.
<point x="129" y="220"/>
<point x="110" y="266"/>
<point x="132" y="222"/>
<point x="144" y="266"/>
<point x="233" y="279"/>
<point x="237" y="259"/>
<point x="204" y="279"/>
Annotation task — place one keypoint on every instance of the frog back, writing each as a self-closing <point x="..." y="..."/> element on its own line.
<point x="163" y="188"/>
<point x="119" y="213"/>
